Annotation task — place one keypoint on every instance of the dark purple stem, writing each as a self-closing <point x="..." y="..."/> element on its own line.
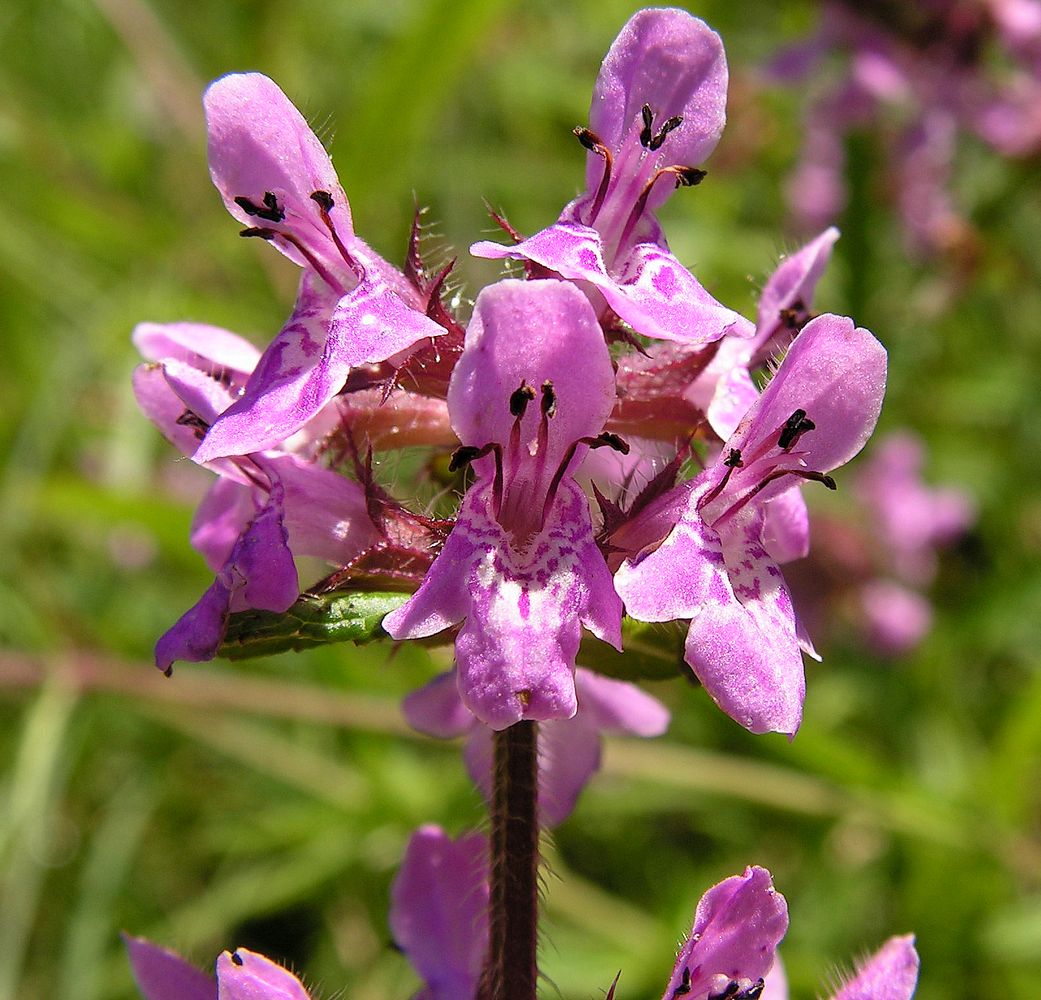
<point x="510" y="970"/>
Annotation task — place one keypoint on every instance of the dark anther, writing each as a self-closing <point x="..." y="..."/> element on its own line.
<point x="728" y="993"/>
<point x="612" y="441"/>
<point x="688" y="177"/>
<point x="684" y="987"/>
<point x="588" y="139"/>
<point x="519" y="399"/>
<point x="672" y="123"/>
<point x="753" y="992"/>
<point x="549" y="399"/>
<point x="270" y="210"/>
<point x="323" y="200"/>
<point x="646" y="135"/>
<point x="264" y="234"/>
<point x="462" y="456"/>
<point x="794" y="427"/>
<point x="237" y="958"/>
<point x="191" y="419"/>
<point x="733" y="459"/>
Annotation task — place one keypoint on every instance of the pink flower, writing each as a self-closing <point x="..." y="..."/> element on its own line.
<point x="714" y="563"/>
<point x="521" y="569"/>
<point x="569" y="749"/>
<point x="353" y="308"/>
<point x="658" y="110"/>
<point x="890" y="974"/>
<point x="241" y="975"/>
<point x="730" y="948"/>
<point x="439" y="911"/>
<point x="264" y="509"/>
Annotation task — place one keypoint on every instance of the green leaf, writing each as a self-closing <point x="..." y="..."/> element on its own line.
<point x="315" y="620"/>
<point x="651" y="652"/>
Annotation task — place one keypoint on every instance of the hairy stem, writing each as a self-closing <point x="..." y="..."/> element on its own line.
<point x="510" y="970"/>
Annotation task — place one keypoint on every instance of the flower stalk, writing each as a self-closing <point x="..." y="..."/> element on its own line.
<point x="510" y="971"/>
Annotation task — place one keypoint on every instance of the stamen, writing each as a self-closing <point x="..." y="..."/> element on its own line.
<point x="549" y="399"/>
<point x="237" y="958"/>
<point x="595" y="144"/>
<point x="684" y="177"/>
<point x="807" y="474"/>
<point x="519" y="399"/>
<point x="192" y="419"/>
<point x="794" y="428"/>
<point x="646" y="135"/>
<point x="607" y="440"/>
<point x="684" y="987"/>
<point x="271" y="210"/>
<point x="732" y="461"/>
<point x="271" y="234"/>
<point x="673" y="123"/>
<point x="465" y="454"/>
<point x="324" y="201"/>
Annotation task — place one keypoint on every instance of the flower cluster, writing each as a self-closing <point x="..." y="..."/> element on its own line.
<point x="930" y="70"/>
<point x="614" y="452"/>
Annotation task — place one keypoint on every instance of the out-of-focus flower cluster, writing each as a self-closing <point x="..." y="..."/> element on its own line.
<point x="874" y="563"/>
<point x="620" y="443"/>
<point x="915" y="76"/>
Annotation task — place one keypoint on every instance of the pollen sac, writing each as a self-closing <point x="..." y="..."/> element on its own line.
<point x="794" y="427"/>
<point x="549" y="399"/>
<point x="323" y="199"/>
<point x="519" y="399"/>
<point x="270" y="210"/>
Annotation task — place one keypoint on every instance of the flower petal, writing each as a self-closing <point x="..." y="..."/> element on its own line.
<point x="794" y="281"/>
<point x="259" y="573"/>
<point x="737" y="927"/>
<point x="439" y="911"/>
<point x="162" y="975"/>
<point x="437" y="710"/>
<point x="786" y="528"/>
<point x="210" y="348"/>
<point x="614" y="706"/>
<point x="259" y="144"/>
<point x="220" y="520"/>
<point x="836" y="374"/>
<point x="245" y="975"/>
<point x="890" y="974"/>
<point x="675" y="64"/>
<point x="309" y="361"/>
<point x="743" y="643"/>
<point x="681" y="575"/>
<point x="531" y="331"/>
<point x="650" y="289"/>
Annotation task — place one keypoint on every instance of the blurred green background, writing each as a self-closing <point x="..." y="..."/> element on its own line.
<point x="267" y="804"/>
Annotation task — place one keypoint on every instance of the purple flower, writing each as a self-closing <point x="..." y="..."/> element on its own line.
<point x="911" y="520"/>
<point x="569" y="749"/>
<point x="725" y="390"/>
<point x="353" y="308"/>
<point x="935" y="69"/>
<point x="241" y="975"/>
<point x="715" y="564"/>
<point x="521" y="569"/>
<point x="264" y="509"/>
<point x="658" y="109"/>
<point x="439" y="911"/>
<point x="731" y="946"/>
<point x="890" y="974"/>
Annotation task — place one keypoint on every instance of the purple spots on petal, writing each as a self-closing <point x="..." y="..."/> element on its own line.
<point x="665" y="282"/>
<point x="587" y="258"/>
